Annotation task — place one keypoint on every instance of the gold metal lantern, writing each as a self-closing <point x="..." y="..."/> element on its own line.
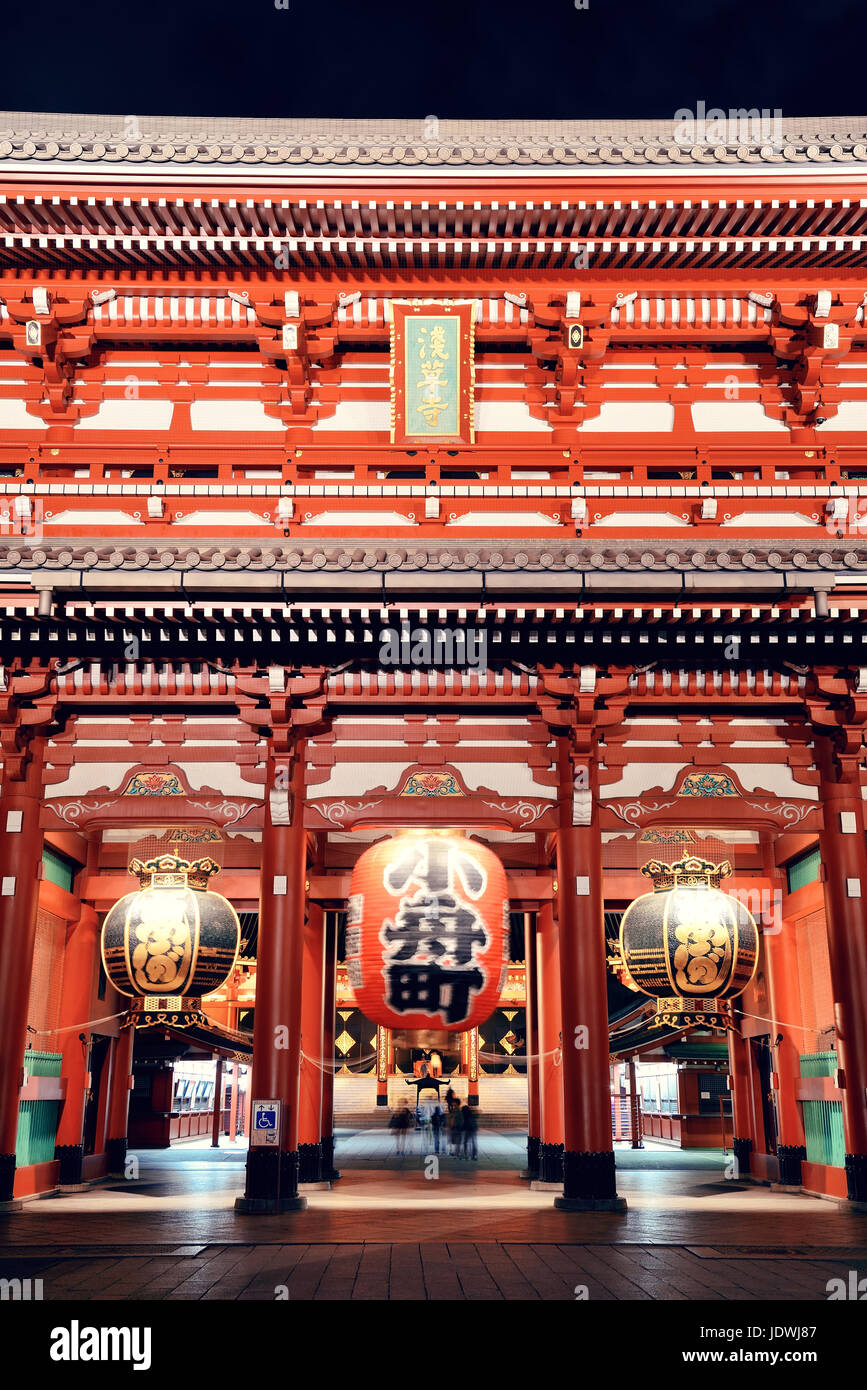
<point x="688" y="944"/>
<point x="174" y="936"/>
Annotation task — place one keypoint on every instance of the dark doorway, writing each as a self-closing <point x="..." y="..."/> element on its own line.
<point x="98" y="1053"/>
<point x="764" y="1067"/>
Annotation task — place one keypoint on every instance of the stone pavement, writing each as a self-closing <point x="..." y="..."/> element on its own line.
<point x="434" y="1270"/>
<point x="472" y="1231"/>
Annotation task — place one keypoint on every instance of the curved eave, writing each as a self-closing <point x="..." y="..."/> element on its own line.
<point x="265" y="172"/>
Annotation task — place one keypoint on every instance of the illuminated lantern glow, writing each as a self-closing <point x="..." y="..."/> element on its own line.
<point x="173" y="936"/>
<point x="688" y="944"/>
<point x="427" y="931"/>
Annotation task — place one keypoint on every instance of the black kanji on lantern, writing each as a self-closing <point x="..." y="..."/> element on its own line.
<point x="432" y="989"/>
<point x="434" y="925"/>
<point x="436" y="931"/>
<point x="434" y="865"/>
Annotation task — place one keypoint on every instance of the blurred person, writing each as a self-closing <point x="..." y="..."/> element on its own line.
<point x="424" y="1115"/>
<point x="470" y="1130"/>
<point x="437" y="1124"/>
<point x="456" y="1132"/>
<point x="401" y="1121"/>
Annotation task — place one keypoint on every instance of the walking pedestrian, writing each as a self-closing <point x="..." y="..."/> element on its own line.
<point x="437" y="1120"/>
<point x="456" y="1132"/>
<point x="470" y="1129"/>
<point x="401" y="1122"/>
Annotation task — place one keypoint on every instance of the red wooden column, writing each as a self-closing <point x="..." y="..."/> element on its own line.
<point x="634" y="1105"/>
<point x="118" y="1099"/>
<point x="329" y="1172"/>
<point x="20" y="861"/>
<point x="272" y="1172"/>
<point x="472" y="1037"/>
<point x="739" y="1081"/>
<point x="234" y="1081"/>
<point x="383" y="1049"/>
<point x="778" y="945"/>
<point x="234" y="1066"/>
<point x="589" y="1181"/>
<point x="313" y="990"/>
<point x="531" y="1033"/>
<point x="548" y="1007"/>
<point x="217" y="1112"/>
<point x="844" y="859"/>
<point x="79" y="973"/>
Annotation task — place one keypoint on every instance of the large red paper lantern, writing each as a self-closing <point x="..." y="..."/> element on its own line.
<point x="426" y="933"/>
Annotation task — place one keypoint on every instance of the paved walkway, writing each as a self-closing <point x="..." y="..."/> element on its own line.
<point x="398" y="1227"/>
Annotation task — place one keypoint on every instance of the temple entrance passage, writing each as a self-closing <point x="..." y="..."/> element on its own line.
<point x="434" y="994"/>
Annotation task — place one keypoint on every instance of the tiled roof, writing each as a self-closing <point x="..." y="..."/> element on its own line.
<point x="45" y="137"/>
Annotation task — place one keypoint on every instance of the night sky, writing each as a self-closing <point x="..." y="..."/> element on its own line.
<point x="541" y="58"/>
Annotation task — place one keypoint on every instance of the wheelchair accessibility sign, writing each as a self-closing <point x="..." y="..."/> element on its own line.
<point x="266" y="1123"/>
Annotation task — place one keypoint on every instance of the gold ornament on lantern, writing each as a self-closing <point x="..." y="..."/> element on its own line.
<point x="688" y="944"/>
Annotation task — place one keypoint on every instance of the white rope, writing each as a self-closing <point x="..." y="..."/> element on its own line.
<point x="71" y="1027"/>
<point x="798" y="1027"/>
<point x="334" y="1066"/>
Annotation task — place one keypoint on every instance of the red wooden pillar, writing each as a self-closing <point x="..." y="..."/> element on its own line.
<point x="118" y="1099"/>
<point x="634" y="1105"/>
<point x="844" y="860"/>
<point x="313" y="987"/>
<point x="589" y="1180"/>
<point x="472" y="1037"/>
<point x="550" y="1047"/>
<point x="272" y="1172"/>
<point x="234" y="1080"/>
<point x="20" y="862"/>
<point x="217" y="1113"/>
<point x="329" y="1172"/>
<point x="383" y="1048"/>
<point x="234" y="1069"/>
<point x="781" y="970"/>
<point x="531" y="1033"/>
<point x="742" y="1124"/>
<point x="79" y="972"/>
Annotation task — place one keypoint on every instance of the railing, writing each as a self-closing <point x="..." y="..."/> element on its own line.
<point x="823" y="1119"/>
<point x="621" y="1116"/>
<point x="37" y="1119"/>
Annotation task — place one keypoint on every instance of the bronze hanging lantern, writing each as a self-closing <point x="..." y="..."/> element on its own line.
<point x="174" y="937"/>
<point x="688" y="944"/>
